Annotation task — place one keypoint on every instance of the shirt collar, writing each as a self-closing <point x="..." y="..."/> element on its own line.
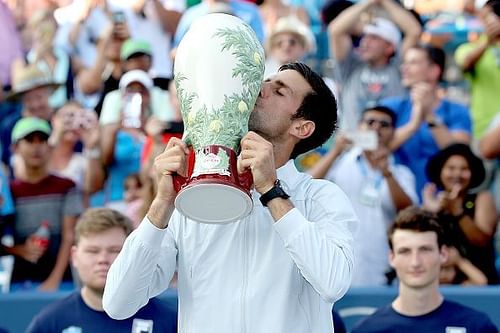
<point x="288" y="173"/>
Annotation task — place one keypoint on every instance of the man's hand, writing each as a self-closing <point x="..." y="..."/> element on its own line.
<point x="172" y="161"/>
<point x="258" y="156"/>
<point x="30" y="251"/>
<point x="381" y="159"/>
<point x="423" y="96"/>
<point x="342" y="142"/>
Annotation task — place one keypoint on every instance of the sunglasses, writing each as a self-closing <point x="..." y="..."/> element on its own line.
<point x="382" y="123"/>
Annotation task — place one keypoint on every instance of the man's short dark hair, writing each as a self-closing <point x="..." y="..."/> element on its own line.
<point x="436" y="56"/>
<point x="419" y="220"/>
<point x="319" y="106"/>
<point x="383" y="109"/>
<point x="495" y="6"/>
<point x="138" y="55"/>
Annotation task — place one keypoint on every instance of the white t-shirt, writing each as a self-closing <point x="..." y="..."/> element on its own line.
<point x="75" y="170"/>
<point x="352" y="173"/>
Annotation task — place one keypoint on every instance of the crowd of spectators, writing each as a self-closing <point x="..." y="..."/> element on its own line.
<point x="87" y="101"/>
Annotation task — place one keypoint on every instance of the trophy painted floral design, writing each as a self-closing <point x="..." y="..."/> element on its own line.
<point x="218" y="71"/>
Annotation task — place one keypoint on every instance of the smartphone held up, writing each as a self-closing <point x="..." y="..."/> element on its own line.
<point x="132" y="110"/>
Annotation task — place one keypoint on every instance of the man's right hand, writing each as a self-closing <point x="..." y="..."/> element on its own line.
<point x="423" y="95"/>
<point x="342" y="142"/>
<point x="172" y="161"/>
<point x="30" y="251"/>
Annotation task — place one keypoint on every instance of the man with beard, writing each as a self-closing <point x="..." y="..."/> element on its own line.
<point x="100" y="234"/>
<point x="279" y="269"/>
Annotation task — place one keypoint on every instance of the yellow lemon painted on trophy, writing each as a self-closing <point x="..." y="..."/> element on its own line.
<point x="257" y="58"/>
<point x="215" y="126"/>
<point x="242" y="106"/>
<point x="191" y="117"/>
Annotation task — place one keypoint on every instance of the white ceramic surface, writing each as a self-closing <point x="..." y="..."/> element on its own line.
<point x="218" y="70"/>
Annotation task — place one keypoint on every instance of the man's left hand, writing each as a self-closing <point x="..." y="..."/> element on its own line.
<point x="257" y="154"/>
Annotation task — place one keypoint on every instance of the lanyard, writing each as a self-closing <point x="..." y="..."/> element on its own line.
<point x="377" y="180"/>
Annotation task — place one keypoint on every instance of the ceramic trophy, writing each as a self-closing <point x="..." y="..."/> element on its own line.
<point x="218" y="70"/>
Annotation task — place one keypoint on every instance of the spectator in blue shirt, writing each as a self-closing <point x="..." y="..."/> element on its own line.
<point x="427" y="122"/>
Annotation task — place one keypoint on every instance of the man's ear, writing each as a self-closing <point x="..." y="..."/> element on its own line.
<point x="73" y="256"/>
<point x="302" y="128"/>
<point x="391" y="258"/>
<point x="444" y="253"/>
<point x="390" y="50"/>
<point x="13" y="147"/>
<point x="435" y="72"/>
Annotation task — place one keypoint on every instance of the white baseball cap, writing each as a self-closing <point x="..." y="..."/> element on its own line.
<point x="384" y="29"/>
<point x="136" y="75"/>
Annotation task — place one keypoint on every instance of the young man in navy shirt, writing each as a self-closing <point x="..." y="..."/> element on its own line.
<point x="100" y="234"/>
<point x="417" y="253"/>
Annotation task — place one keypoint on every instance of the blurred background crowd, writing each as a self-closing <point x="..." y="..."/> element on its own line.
<point x="88" y="101"/>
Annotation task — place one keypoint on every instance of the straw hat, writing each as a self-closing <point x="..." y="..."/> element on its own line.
<point x="291" y="24"/>
<point x="28" y="78"/>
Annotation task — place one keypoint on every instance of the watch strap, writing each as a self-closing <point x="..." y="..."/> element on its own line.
<point x="275" y="192"/>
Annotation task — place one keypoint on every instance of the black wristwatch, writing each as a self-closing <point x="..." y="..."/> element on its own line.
<point x="276" y="191"/>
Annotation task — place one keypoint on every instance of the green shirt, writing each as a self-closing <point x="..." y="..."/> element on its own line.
<point x="485" y="84"/>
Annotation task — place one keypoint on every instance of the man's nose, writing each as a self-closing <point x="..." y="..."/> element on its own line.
<point x="104" y="257"/>
<point x="415" y="259"/>
<point x="264" y="90"/>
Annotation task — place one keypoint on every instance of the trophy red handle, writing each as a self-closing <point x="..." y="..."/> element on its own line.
<point x="246" y="179"/>
<point x="178" y="180"/>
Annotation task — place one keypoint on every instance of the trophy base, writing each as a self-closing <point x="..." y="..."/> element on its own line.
<point x="213" y="202"/>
